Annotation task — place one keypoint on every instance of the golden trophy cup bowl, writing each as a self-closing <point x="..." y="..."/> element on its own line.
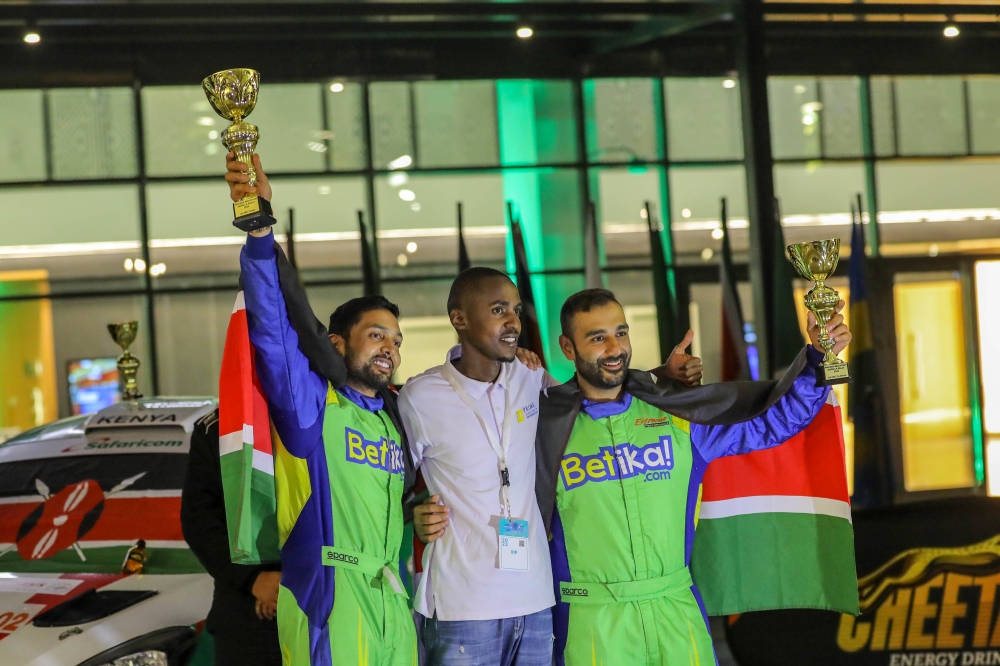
<point x="233" y="95"/>
<point x="816" y="261"/>
<point x="123" y="333"/>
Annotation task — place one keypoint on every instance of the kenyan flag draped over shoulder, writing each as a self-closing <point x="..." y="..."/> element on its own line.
<point x="245" y="449"/>
<point x="774" y="527"/>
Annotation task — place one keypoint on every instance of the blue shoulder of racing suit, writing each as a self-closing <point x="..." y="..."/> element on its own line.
<point x="787" y="417"/>
<point x="295" y="393"/>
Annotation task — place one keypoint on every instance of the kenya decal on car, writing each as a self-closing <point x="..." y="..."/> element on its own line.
<point x="64" y="518"/>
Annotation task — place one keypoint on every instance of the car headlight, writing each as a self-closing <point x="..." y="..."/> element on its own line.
<point x="164" y="647"/>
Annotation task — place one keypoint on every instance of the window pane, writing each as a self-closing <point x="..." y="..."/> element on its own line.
<point x="537" y="122"/>
<point x="695" y="210"/>
<point x="703" y="119"/>
<point x="841" y="116"/>
<point x="181" y="132"/>
<point x="427" y="330"/>
<point x="622" y="120"/>
<point x="192" y="234"/>
<point x="290" y="118"/>
<point x="930" y="207"/>
<point x="422" y="209"/>
<point x="345" y="118"/>
<point x="795" y="117"/>
<point x="931" y="114"/>
<point x="22" y="135"/>
<point x="190" y="334"/>
<point x="621" y="195"/>
<point x="984" y="112"/>
<point x="883" y="116"/>
<point x="456" y="123"/>
<point x="816" y="198"/>
<point x="82" y="250"/>
<point x="933" y="388"/>
<point x="391" y="124"/>
<point x="80" y="331"/>
<point x="93" y="133"/>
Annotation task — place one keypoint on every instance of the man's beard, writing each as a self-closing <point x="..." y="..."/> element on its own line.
<point x="592" y="372"/>
<point x="363" y="371"/>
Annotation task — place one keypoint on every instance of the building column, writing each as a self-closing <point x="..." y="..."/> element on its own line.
<point x="750" y="61"/>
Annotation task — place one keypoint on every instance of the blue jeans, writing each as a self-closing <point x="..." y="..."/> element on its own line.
<point x="513" y="641"/>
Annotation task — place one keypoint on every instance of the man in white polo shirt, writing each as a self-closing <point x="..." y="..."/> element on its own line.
<point x="486" y="591"/>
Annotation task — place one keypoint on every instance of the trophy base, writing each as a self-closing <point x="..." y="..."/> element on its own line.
<point x="833" y="373"/>
<point x="252" y="213"/>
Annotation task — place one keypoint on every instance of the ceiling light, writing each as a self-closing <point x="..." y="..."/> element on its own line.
<point x="336" y="87"/>
<point x="950" y="31"/>
<point x="729" y="83"/>
<point x="140" y="265"/>
<point x="411" y="247"/>
<point x="33" y="37"/>
<point x="643" y="214"/>
<point x="128" y="264"/>
<point x="402" y="260"/>
<point x="324" y="189"/>
<point x="686" y="213"/>
<point x="156" y="270"/>
<point x="397" y="179"/>
<point x="206" y="121"/>
<point x="401" y="162"/>
<point x="407" y="195"/>
<point x="415" y="207"/>
<point x="525" y="32"/>
<point x="717" y="234"/>
<point x="707" y="254"/>
<point x="213" y="135"/>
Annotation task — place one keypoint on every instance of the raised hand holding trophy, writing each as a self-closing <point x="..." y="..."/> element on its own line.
<point x="816" y="261"/>
<point x="233" y="95"/>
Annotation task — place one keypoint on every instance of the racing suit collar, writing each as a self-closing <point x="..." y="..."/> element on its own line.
<point x="600" y="410"/>
<point x="372" y="404"/>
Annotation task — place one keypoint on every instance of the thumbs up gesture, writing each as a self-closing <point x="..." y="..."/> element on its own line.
<point x="681" y="365"/>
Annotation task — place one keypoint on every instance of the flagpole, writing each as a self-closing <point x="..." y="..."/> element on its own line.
<point x="290" y="238"/>
<point x="463" y="253"/>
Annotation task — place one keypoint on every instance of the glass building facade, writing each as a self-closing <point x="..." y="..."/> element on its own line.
<point x="114" y="208"/>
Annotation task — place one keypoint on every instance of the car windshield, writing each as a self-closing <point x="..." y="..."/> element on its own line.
<point x="81" y="513"/>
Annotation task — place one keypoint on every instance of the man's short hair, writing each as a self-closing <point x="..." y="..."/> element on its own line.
<point x="345" y="317"/>
<point x="468" y="280"/>
<point x="583" y="301"/>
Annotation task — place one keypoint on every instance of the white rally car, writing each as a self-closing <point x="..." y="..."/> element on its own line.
<point x="75" y="495"/>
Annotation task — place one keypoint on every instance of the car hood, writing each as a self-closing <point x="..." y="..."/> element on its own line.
<point x="179" y="600"/>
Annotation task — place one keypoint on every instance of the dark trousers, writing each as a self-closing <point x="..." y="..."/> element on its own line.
<point x="248" y="646"/>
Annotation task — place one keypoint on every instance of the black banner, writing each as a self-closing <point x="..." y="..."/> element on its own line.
<point x="928" y="577"/>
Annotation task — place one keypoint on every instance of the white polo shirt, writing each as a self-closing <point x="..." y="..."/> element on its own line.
<point x="462" y="579"/>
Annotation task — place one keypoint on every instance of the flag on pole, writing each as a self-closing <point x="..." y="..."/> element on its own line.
<point x="245" y="449"/>
<point x="870" y="466"/>
<point x="774" y="526"/>
<point x="735" y="362"/>
<point x="788" y="338"/>
<point x="369" y="261"/>
<point x="593" y="277"/>
<point x="531" y="335"/>
<point x="463" y="252"/>
<point x="663" y="293"/>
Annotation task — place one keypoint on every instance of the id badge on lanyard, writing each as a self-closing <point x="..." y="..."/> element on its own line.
<point x="512" y="533"/>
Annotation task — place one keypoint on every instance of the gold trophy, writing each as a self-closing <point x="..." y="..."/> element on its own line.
<point x="816" y="261"/>
<point x="233" y="95"/>
<point x="123" y="333"/>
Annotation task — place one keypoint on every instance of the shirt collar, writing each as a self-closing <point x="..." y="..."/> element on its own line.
<point x="600" y="410"/>
<point x="475" y="388"/>
<point x="369" y="404"/>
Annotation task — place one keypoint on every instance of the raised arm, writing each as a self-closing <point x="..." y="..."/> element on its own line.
<point x="789" y="415"/>
<point x="290" y="385"/>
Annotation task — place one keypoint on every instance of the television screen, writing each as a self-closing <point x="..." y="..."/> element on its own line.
<point x="93" y="384"/>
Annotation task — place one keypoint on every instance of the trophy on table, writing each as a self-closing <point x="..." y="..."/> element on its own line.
<point x="233" y="95"/>
<point x="816" y="261"/>
<point x="123" y="333"/>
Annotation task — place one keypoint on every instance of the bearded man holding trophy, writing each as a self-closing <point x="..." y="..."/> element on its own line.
<point x="341" y="464"/>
